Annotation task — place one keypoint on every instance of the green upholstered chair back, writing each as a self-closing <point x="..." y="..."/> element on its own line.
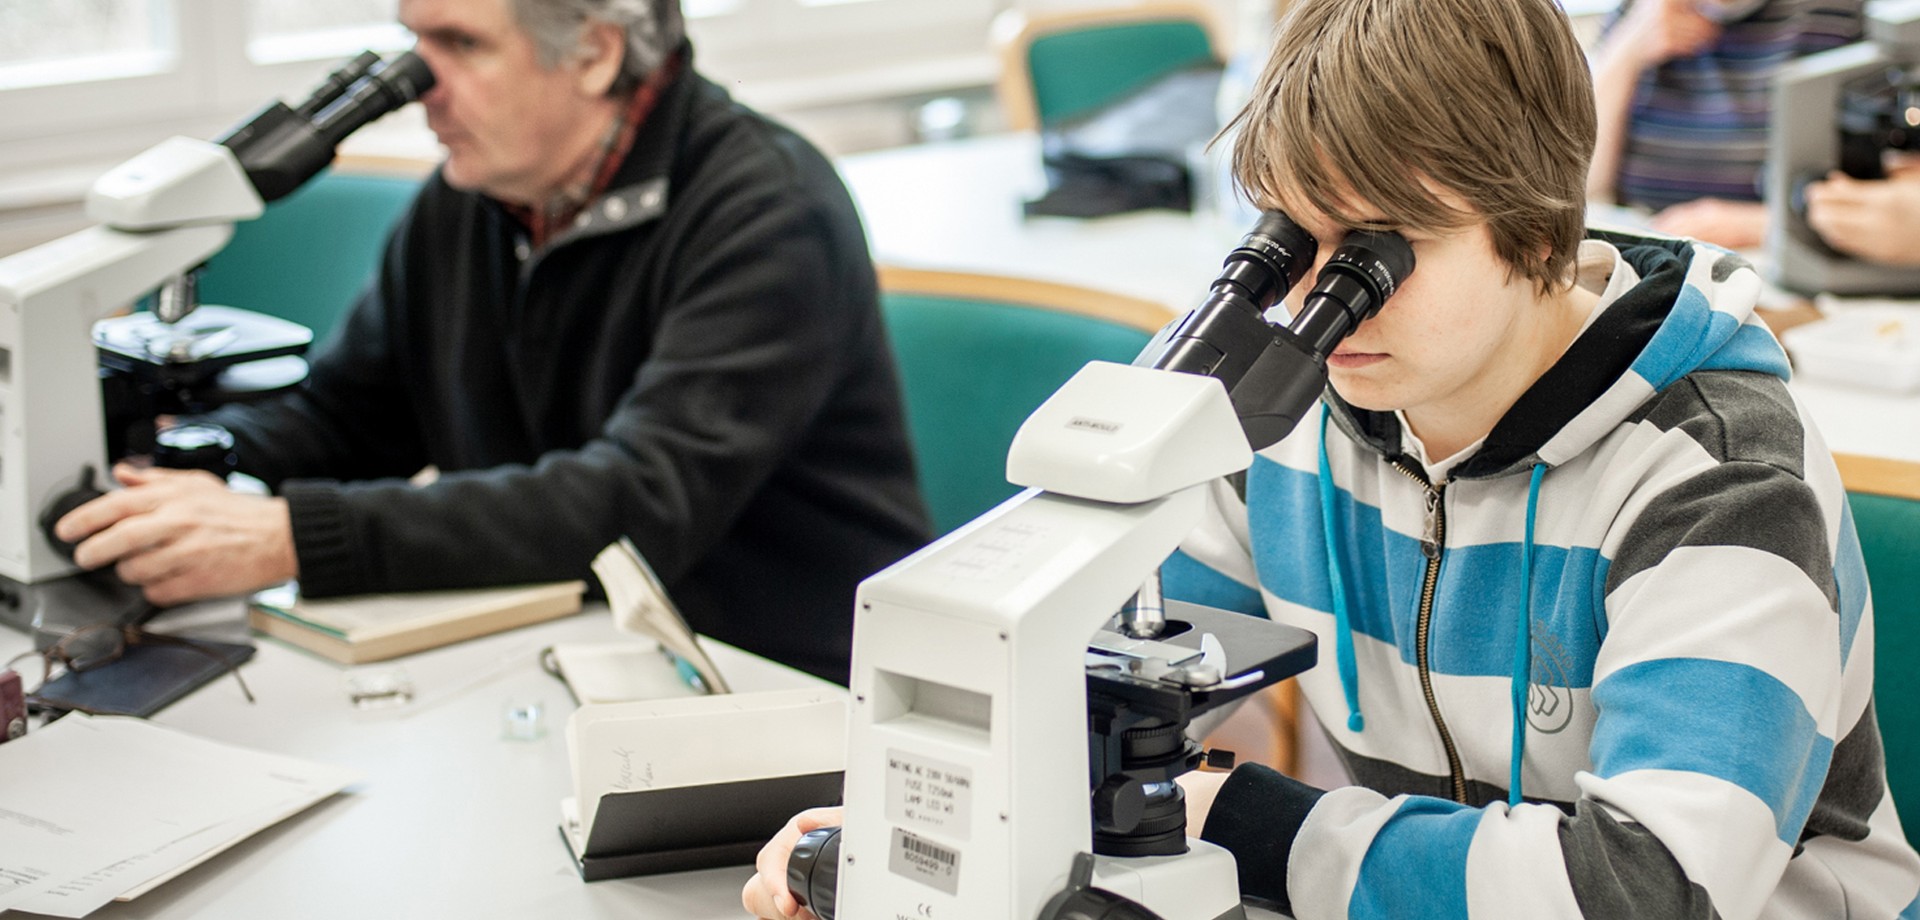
<point x="977" y="354"/>
<point x="1078" y="72"/>
<point x="311" y="254"/>
<point x="1885" y="498"/>
<point x="1060" y="66"/>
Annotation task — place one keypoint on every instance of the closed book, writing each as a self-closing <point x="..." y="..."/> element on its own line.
<point x="376" y="627"/>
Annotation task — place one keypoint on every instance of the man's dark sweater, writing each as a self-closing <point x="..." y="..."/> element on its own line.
<point x="698" y="364"/>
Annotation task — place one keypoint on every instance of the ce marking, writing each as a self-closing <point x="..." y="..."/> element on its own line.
<point x="925" y="910"/>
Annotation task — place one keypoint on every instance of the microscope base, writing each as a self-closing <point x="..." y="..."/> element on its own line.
<point x="51" y="609"/>
<point x="1201" y="884"/>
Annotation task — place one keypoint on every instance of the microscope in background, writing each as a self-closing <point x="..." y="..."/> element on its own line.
<point x="1000" y="765"/>
<point x="79" y="390"/>
<point x="1841" y="110"/>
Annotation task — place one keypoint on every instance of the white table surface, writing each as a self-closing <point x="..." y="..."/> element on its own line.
<point x="451" y="818"/>
<point x="956" y="206"/>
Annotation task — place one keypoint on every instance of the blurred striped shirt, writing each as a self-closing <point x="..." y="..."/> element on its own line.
<point x="1697" y="126"/>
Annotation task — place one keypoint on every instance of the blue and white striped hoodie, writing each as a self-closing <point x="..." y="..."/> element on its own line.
<point x="1619" y="664"/>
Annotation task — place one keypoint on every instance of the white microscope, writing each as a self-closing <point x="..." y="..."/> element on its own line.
<point x="1841" y="110"/>
<point x="1001" y="767"/>
<point x="78" y="391"/>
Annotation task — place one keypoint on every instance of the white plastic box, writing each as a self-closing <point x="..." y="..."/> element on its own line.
<point x="1873" y="347"/>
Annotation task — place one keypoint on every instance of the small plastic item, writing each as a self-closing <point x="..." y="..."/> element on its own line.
<point x="378" y="688"/>
<point x="1873" y="347"/>
<point x="523" y="720"/>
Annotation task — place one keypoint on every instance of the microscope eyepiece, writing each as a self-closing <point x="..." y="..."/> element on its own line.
<point x="1226" y="333"/>
<point x="281" y="147"/>
<point x="388" y="87"/>
<point x="1270" y="259"/>
<point x="336" y="83"/>
<point x="1356" y="281"/>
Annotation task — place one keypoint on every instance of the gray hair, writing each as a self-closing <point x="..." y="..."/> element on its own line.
<point x="654" y="29"/>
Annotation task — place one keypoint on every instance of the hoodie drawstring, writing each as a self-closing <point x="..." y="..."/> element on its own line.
<point x="1523" y="642"/>
<point x="1342" y="627"/>
<point x="1522" y="676"/>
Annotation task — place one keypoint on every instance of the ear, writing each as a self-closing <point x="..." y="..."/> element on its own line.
<point x="602" y="49"/>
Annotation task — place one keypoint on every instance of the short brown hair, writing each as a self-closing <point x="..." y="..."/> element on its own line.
<point x="1378" y="100"/>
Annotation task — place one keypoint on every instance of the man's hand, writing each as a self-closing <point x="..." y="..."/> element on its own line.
<point x="766" y="895"/>
<point x="1732" y="224"/>
<point x="1654" y="32"/>
<point x="1874" y="220"/>
<point x="181" y="535"/>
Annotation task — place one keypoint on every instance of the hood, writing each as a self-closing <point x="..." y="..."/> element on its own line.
<point x="1692" y="309"/>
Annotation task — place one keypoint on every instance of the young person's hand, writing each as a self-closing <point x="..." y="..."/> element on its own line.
<point x="1876" y="220"/>
<point x="1201" y="787"/>
<point x="1733" y="224"/>
<point x="182" y="535"/>
<point x="1653" y="32"/>
<point x="766" y="895"/>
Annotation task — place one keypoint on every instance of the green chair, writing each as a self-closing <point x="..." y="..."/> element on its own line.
<point x="310" y="255"/>
<point x="1057" y="66"/>
<point x="977" y="354"/>
<point x="1885" y="497"/>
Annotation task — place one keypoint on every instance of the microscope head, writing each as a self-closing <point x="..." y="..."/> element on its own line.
<point x="1841" y="111"/>
<point x="184" y="181"/>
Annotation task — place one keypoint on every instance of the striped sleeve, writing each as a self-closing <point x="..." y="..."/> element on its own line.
<point x="1716" y="713"/>
<point x="1731" y="728"/>
<point x="1214" y="565"/>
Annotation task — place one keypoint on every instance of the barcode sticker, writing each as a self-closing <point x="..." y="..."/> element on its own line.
<point x="922" y="860"/>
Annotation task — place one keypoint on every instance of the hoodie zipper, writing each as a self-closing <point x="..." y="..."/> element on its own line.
<point x="1433" y="538"/>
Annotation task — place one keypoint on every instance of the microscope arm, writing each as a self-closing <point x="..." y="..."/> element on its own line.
<point x="162" y="214"/>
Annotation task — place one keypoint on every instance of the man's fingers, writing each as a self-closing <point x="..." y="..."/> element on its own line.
<point x="155" y="564"/>
<point x="129" y="536"/>
<point x="100" y="514"/>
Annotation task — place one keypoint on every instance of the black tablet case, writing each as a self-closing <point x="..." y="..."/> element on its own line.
<point x="145" y="679"/>
<point x="650" y="831"/>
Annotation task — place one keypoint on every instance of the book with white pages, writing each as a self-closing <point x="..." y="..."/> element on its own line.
<point x="641" y="606"/>
<point x="663" y="659"/>
<point x="375" y="627"/>
<point x="694" y="782"/>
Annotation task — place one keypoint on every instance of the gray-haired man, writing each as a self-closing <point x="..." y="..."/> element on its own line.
<point x="625" y="305"/>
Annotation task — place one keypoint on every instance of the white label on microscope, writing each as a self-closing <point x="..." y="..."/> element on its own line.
<point x="929" y="794"/>
<point x="924" y="861"/>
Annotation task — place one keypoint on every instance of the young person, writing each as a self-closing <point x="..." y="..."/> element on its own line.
<point x="625" y="305"/>
<point x="1594" y="627"/>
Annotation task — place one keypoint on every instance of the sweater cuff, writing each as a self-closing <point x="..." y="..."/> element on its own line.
<point x="1256" y="816"/>
<point x="322" y="538"/>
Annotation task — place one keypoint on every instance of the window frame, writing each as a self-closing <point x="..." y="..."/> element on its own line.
<point x="769" y="51"/>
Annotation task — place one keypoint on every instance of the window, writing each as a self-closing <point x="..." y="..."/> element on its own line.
<point x="807" y="52"/>
<point x="293" y="30"/>
<point x="66" y="41"/>
<point x="89" y="83"/>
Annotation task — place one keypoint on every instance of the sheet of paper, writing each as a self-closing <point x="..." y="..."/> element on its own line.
<point x="93" y="806"/>
<point x="669" y="743"/>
